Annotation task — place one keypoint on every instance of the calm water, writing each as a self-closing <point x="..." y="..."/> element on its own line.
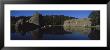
<point x="58" y="34"/>
<point x="70" y="36"/>
<point x="46" y="36"/>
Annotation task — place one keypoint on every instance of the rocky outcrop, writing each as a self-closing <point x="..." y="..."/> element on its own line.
<point x="78" y="22"/>
<point x="18" y="25"/>
<point x="23" y="26"/>
<point x="34" y="19"/>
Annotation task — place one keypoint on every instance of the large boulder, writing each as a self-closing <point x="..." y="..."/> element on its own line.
<point x="34" y="19"/>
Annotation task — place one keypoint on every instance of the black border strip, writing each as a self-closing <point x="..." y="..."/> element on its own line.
<point x="39" y="2"/>
<point x="55" y="1"/>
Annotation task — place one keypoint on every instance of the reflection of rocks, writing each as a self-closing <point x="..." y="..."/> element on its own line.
<point x="25" y="27"/>
<point x="82" y="30"/>
<point x="94" y="34"/>
<point x="36" y="34"/>
<point x="55" y="30"/>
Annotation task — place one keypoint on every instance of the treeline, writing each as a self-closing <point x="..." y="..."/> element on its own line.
<point x="95" y="18"/>
<point x="59" y="19"/>
<point x="45" y="20"/>
<point x="55" y="19"/>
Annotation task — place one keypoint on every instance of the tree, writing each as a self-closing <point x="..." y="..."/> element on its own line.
<point x="95" y="18"/>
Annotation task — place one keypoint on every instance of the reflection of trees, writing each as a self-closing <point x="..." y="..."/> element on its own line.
<point x="36" y="34"/>
<point x="94" y="34"/>
<point x="95" y="19"/>
<point x="56" y="21"/>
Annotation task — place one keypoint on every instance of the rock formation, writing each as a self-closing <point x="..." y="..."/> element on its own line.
<point x="18" y="25"/>
<point x="23" y="26"/>
<point x="78" y="22"/>
<point x="34" y="19"/>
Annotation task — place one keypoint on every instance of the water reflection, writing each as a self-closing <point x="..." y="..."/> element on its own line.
<point x="94" y="34"/>
<point x="58" y="33"/>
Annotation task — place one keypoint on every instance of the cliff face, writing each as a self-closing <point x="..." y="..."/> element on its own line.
<point x="23" y="25"/>
<point x="34" y="19"/>
<point x="78" y="22"/>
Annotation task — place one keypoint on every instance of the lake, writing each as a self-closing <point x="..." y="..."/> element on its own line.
<point x="58" y="33"/>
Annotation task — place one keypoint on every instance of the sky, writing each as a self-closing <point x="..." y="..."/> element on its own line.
<point x="72" y="13"/>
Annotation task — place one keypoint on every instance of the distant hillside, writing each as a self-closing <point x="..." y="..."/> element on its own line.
<point x="78" y="22"/>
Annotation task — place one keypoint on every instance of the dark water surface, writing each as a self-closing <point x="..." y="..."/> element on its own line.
<point x="58" y="34"/>
<point x="46" y="36"/>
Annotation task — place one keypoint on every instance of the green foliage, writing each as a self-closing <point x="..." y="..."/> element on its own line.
<point x="95" y="18"/>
